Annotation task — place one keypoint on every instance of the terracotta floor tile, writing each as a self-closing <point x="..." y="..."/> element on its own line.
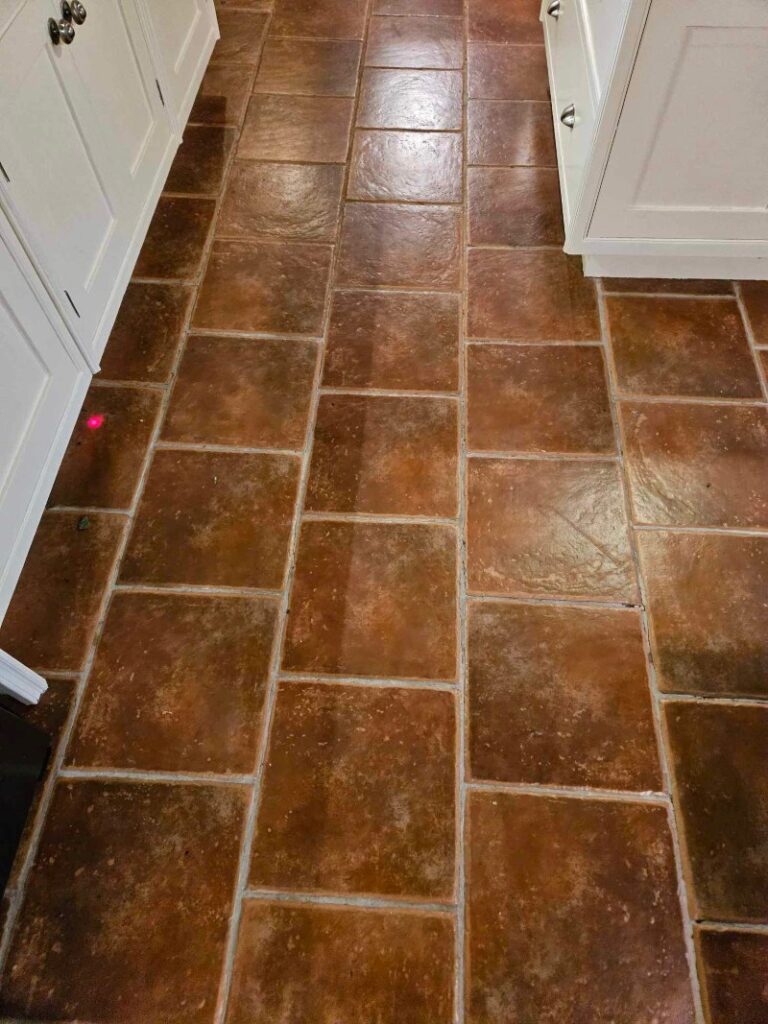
<point x="155" y="698"/>
<point x="242" y="37"/>
<point x="550" y="527"/>
<point x="249" y="392"/>
<point x="176" y="238"/>
<point x="676" y="346"/>
<point x="734" y="972"/>
<point x="392" y="456"/>
<point x="374" y="600"/>
<point x="666" y="286"/>
<point x="201" y="159"/>
<point x="755" y="295"/>
<point x="107" y="905"/>
<point x="215" y="518"/>
<point x="400" y="245"/>
<point x="297" y="128"/>
<point x="514" y="206"/>
<point x="275" y="288"/>
<point x="709" y="617"/>
<point x="506" y="133"/>
<point x="251" y="5"/>
<point x="721" y="775"/>
<point x="697" y="465"/>
<point x="223" y="96"/>
<point x="538" y="398"/>
<point x="499" y="72"/>
<point x="402" y="966"/>
<point x="428" y="100"/>
<point x="359" y="793"/>
<point x="331" y="19"/>
<point x="309" y="67"/>
<point x="434" y="8"/>
<point x="530" y="296"/>
<point x="505" y="21"/>
<point x="393" y="340"/>
<point x="415" y="166"/>
<point x="573" y="913"/>
<point x="147" y="333"/>
<point x="408" y="42"/>
<point x="55" y="608"/>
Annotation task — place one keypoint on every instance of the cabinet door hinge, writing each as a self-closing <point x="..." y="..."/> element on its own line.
<point x="77" y="311"/>
<point x="4" y="172"/>
<point x="160" y="91"/>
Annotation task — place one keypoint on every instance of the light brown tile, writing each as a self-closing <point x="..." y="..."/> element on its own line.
<point x="755" y="295"/>
<point x="433" y="8"/>
<point x="505" y="21"/>
<point x="697" y="465"/>
<point x="147" y="333"/>
<point x="248" y="392"/>
<point x="538" y="528"/>
<point x="734" y="972"/>
<point x="408" y="42"/>
<point x="573" y="913"/>
<point x="374" y="600"/>
<point x="325" y="19"/>
<point x="359" y="793"/>
<point x="505" y="133"/>
<point x="514" y="206"/>
<point x="427" y="100"/>
<point x="413" y="166"/>
<point x="500" y="72"/>
<point x="173" y="248"/>
<point x="666" y="286"/>
<point x="213" y="518"/>
<point x="309" y="67"/>
<point x="201" y="160"/>
<point x="223" y="96"/>
<point x="314" y="128"/>
<point x="242" y="37"/>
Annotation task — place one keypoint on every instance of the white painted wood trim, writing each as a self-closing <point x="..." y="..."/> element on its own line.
<point x="19" y="681"/>
<point x="681" y="265"/>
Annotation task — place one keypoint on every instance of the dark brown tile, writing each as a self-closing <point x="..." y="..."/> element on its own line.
<point x="505" y="133"/>
<point x="55" y="608"/>
<point x="374" y="600"/>
<point x="131" y="881"/>
<point x="359" y="793"/>
<point x="549" y="527"/>
<point x="248" y="392"/>
<point x="734" y="973"/>
<point x="282" y="201"/>
<point x="223" y="96"/>
<point x="428" y="100"/>
<point x="499" y="72"/>
<point x="400" y="245"/>
<point x="537" y="866"/>
<point x="297" y="128"/>
<point x="382" y="455"/>
<point x="275" y="288"/>
<point x="408" y="42"/>
<point x="530" y="296"/>
<point x="393" y="340"/>
<point x="147" y="333"/>
<point x="201" y="160"/>
<point x="402" y="973"/>
<point x="709" y="617"/>
<point x="414" y="166"/>
<point x="505" y="21"/>
<point x="697" y="465"/>
<point x="538" y="398"/>
<point x="242" y="37"/>
<point x="326" y="19"/>
<point x="721" y="776"/>
<point x="514" y="206"/>
<point x="666" y="286"/>
<point x="309" y="67"/>
<point x="213" y="518"/>
<point x="177" y="685"/>
<point x="433" y="8"/>
<point x="755" y="295"/>
<point x="176" y="238"/>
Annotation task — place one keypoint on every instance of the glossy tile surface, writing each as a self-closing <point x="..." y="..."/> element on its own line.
<point x="147" y="333"/>
<point x="323" y="19"/>
<point x="666" y="286"/>
<point x="504" y="21"/>
<point x="501" y="72"/>
<point x="223" y="96"/>
<point x="407" y="42"/>
<point x="435" y="8"/>
<point x="755" y="295"/>
<point x="734" y="966"/>
<point x="242" y="36"/>
<point x="514" y="206"/>
<point x="413" y="166"/>
<point x="201" y="160"/>
<point x="176" y="238"/>
<point x="427" y="100"/>
<point x="309" y="67"/>
<point x="502" y="133"/>
<point x="296" y="128"/>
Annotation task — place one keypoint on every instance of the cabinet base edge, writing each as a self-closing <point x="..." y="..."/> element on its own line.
<point x="720" y="268"/>
<point x="21" y="682"/>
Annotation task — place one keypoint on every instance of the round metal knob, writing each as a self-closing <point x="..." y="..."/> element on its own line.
<point x="60" y="31"/>
<point x="66" y="10"/>
<point x="79" y="13"/>
<point x="553" y="10"/>
<point x="568" y="116"/>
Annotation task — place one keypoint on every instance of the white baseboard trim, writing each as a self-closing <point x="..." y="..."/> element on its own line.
<point x="19" y="681"/>
<point x="678" y="265"/>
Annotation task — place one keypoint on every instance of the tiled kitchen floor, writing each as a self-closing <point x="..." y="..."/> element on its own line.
<point x="406" y="620"/>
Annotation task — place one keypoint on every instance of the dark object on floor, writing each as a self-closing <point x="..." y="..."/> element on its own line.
<point x="24" y="752"/>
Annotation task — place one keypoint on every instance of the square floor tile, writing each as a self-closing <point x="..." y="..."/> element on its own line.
<point x="427" y="100"/>
<point x="109" y="904"/>
<point x="215" y="518"/>
<point x="721" y="776"/>
<point x="309" y="67"/>
<point x="359" y="793"/>
<point x="374" y="600"/>
<point x="514" y="206"/>
<point x="433" y="8"/>
<point x="538" y="528"/>
<point x="403" y="966"/>
<point x="505" y="21"/>
<point x="223" y="96"/>
<point x="147" y="333"/>
<point x="242" y="36"/>
<point x="709" y="616"/>
<point x="393" y="340"/>
<point x="573" y="913"/>
<point x="666" y="286"/>
<point x="414" y="166"/>
<point x="178" y="684"/>
<point x="297" y="128"/>
<point x="201" y="160"/>
<point x="505" y="133"/>
<point x="697" y="465"/>
<point x="408" y="42"/>
<point x="733" y="968"/>
<point x="755" y="295"/>
<point x="500" y="72"/>
<point x="174" y="245"/>
<point x="538" y="398"/>
<point x="325" y="19"/>
<point x="247" y="392"/>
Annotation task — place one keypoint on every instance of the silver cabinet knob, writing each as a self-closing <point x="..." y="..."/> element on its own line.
<point x="60" y="31"/>
<point x="553" y="10"/>
<point x="79" y="13"/>
<point x="568" y="116"/>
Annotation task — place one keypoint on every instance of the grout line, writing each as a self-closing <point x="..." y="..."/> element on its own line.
<point x="195" y="591"/>
<point x="128" y="385"/>
<point x="544" y="456"/>
<point x="534" y="343"/>
<point x="748" y="927"/>
<point x="478" y="597"/>
<point x="224" y="449"/>
<point x="761" y="370"/>
<point x="374" y="682"/>
<point x="719" y="699"/>
<point x="72" y="772"/>
<point x="626" y="796"/>
<point x="312" y="516"/>
<point x="642" y="399"/>
<point x="719" y="296"/>
<point x="348" y="900"/>
<point x="91" y="510"/>
<point x="214" y="332"/>
<point x="723" y="531"/>
<point x="450" y="396"/>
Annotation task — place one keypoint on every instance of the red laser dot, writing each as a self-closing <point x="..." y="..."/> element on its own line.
<point x="94" y="422"/>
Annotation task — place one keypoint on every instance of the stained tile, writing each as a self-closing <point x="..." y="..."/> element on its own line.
<point x="499" y="72"/>
<point x="697" y="465"/>
<point x="538" y="398"/>
<point x="709" y="618"/>
<point x="314" y="128"/>
<point x="242" y="36"/>
<point x="734" y="973"/>
<point x="402" y="966"/>
<point x="755" y="295"/>
<point x="505" y="21"/>
<point x="309" y="67"/>
<point x="505" y="133"/>
<point x="666" y="286"/>
<point x="536" y="866"/>
<point x="434" y="8"/>
<point x="176" y="238"/>
<point x="276" y="288"/>
<point x="514" y="206"/>
<point x="721" y="777"/>
<point x="415" y="166"/>
<point x="359" y="793"/>
<point x="681" y="347"/>
<point x="248" y="392"/>
<point x="201" y="159"/>
<point x="408" y="42"/>
<point x="325" y="19"/>
<point x="55" y="608"/>
<point x="549" y="527"/>
<point x="147" y="333"/>
<point x="374" y="600"/>
<point x="107" y="904"/>
<point x="289" y="201"/>
<point x="213" y="518"/>
<point x="393" y="340"/>
<point x="530" y="296"/>
<point x="400" y="245"/>
<point x="428" y="100"/>
<point x="223" y="96"/>
<point x="177" y="685"/>
<point x="393" y="456"/>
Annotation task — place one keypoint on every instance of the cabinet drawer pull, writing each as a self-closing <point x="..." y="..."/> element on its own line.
<point x="553" y="10"/>
<point x="60" y="31"/>
<point x="568" y="116"/>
